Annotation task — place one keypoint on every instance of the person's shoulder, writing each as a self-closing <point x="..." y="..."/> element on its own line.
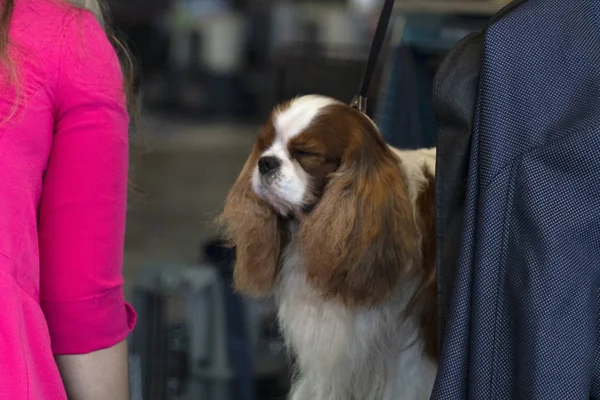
<point x="88" y="60"/>
<point x="85" y="43"/>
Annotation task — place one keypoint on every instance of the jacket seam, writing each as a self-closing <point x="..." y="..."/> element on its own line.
<point x="499" y="275"/>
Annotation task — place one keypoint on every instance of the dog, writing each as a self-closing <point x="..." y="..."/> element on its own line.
<point x="340" y="228"/>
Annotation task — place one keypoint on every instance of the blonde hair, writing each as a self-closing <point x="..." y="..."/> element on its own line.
<point x="91" y="5"/>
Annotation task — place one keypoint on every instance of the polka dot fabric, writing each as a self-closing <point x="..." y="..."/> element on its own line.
<point x="524" y="314"/>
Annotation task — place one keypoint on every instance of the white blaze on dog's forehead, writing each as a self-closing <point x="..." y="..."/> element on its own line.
<point x="299" y="114"/>
<point x="277" y="149"/>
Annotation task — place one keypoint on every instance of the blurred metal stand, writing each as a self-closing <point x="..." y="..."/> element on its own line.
<point x="181" y="337"/>
<point x="135" y="377"/>
<point x="188" y="346"/>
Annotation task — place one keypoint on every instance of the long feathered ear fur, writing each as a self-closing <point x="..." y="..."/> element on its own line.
<point x="252" y="227"/>
<point x="362" y="236"/>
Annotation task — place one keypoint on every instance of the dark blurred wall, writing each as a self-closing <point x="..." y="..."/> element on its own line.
<point x="139" y="23"/>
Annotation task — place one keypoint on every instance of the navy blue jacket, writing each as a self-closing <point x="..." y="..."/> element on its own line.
<point x="523" y="319"/>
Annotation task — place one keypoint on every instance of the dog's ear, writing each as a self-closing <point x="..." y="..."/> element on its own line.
<point x="252" y="227"/>
<point x="362" y="236"/>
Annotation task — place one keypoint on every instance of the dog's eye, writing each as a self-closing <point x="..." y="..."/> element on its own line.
<point x="304" y="153"/>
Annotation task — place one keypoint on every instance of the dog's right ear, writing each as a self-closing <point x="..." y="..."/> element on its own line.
<point x="361" y="238"/>
<point x="251" y="226"/>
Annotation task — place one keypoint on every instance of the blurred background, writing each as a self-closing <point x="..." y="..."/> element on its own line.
<point x="209" y="71"/>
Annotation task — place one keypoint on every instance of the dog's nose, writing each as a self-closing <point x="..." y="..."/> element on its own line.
<point x="268" y="164"/>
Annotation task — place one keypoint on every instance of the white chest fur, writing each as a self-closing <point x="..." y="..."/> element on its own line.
<point x="350" y="354"/>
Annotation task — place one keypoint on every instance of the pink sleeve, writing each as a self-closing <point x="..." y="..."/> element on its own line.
<point x="82" y="210"/>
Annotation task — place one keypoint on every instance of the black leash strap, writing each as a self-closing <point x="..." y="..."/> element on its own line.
<point x="360" y="100"/>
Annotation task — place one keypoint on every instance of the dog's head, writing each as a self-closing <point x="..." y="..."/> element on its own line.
<point x="324" y="164"/>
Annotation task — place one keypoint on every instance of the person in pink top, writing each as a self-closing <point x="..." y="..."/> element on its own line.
<point x="63" y="186"/>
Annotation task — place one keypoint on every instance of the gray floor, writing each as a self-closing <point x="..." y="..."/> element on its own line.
<point x="184" y="175"/>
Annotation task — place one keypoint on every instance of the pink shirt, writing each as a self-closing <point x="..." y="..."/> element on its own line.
<point x="63" y="185"/>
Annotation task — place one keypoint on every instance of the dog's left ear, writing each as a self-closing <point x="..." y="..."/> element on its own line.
<point x="362" y="237"/>
<point x="252" y="227"/>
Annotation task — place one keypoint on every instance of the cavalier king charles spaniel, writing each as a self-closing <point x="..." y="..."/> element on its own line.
<point x="340" y="228"/>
